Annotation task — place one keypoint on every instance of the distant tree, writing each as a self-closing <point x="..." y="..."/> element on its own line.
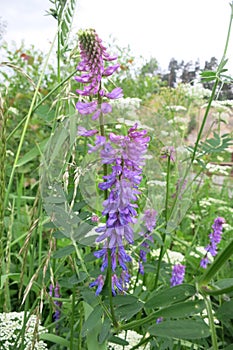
<point x="173" y="68"/>
<point x="150" y="67"/>
<point x="189" y="71"/>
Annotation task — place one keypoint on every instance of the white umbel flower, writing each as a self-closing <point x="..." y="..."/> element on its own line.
<point x="11" y="324"/>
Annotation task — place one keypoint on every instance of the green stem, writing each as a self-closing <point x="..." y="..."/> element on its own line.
<point x="26" y="126"/>
<point x="211" y="323"/>
<point x="203" y="122"/>
<point x="109" y="277"/>
<point x="72" y="320"/>
<point x="79" y="257"/>
<point x="167" y="189"/>
<point x="166" y="221"/>
<point x="109" y="270"/>
<point x="3" y="119"/>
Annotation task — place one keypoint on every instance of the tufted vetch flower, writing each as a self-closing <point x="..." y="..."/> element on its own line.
<point x="93" y="65"/>
<point x="215" y="238"/>
<point x="125" y="154"/>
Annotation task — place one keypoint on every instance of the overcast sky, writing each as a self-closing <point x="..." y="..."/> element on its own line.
<point x="183" y="29"/>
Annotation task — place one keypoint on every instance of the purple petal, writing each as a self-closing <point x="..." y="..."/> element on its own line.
<point x="86" y="107"/>
<point x="96" y="115"/>
<point x="84" y="132"/>
<point x="110" y="70"/>
<point x="115" y="93"/>
<point x="106" y="108"/>
<point x="85" y="78"/>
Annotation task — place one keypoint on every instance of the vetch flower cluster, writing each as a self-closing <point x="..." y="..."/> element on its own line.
<point x="149" y="219"/>
<point x="11" y="325"/>
<point x="215" y="238"/>
<point x="93" y="58"/>
<point x="125" y="154"/>
<point x="178" y="273"/>
<point x="57" y="303"/>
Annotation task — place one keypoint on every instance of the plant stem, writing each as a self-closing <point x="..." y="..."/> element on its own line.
<point x="211" y="323"/>
<point x="3" y="119"/>
<point x="109" y="271"/>
<point x="166" y="221"/>
<point x="72" y="320"/>
<point x="26" y="125"/>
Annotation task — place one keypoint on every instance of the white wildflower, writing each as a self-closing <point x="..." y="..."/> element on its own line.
<point x="170" y="256"/>
<point x="220" y="169"/>
<point x="156" y="183"/>
<point x="196" y="91"/>
<point x="176" y="108"/>
<point x="11" y="325"/>
<point x="128" y="105"/>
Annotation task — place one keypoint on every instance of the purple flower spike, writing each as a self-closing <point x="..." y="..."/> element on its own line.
<point x="215" y="238"/>
<point x="125" y="154"/>
<point x="93" y="60"/>
<point x="178" y="273"/>
<point x="57" y="303"/>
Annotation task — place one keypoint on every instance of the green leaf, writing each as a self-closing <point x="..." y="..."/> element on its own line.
<point x="126" y="312"/>
<point x="181" y="309"/>
<point x="105" y="331"/>
<point x="75" y="280"/>
<point x="94" y="324"/>
<point x="117" y="340"/>
<point x="92" y="320"/>
<point x="180" y="329"/>
<point x="4" y="278"/>
<point x="33" y="153"/>
<point x="45" y="113"/>
<point x="224" y="283"/>
<point x="171" y="296"/>
<point x="208" y="75"/>
<point x="225" y="311"/>
<point x="220" y="260"/>
<point x="224" y="286"/>
<point x="124" y="300"/>
<point x="229" y="347"/>
<point x="61" y="253"/>
<point x="215" y="144"/>
<point x="54" y="339"/>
